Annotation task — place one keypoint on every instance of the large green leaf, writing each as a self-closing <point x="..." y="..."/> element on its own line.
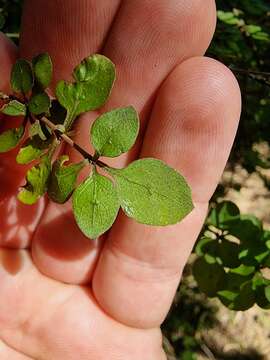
<point x="115" y="132"/>
<point x="37" y="182"/>
<point x="95" y="205"/>
<point x="152" y="192"/>
<point x="22" y="77"/>
<point x="43" y="69"/>
<point x="63" y="179"/>
<point x="14" y="108"/>
<point x="94" y="78"/>
<point x="32" y="149"/>
<point x="10" y="139"/>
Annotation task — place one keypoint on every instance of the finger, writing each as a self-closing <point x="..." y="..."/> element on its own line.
<point x="163" y="34"/>
<point x="192" y="128"/>
<point x="7" y="353"/>
<point x="58" y="321"/>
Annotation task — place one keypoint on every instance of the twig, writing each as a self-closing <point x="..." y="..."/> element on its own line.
<point x="250" y="72"/>
<point x="69" y="141"/>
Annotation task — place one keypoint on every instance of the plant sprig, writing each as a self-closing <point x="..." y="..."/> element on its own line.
<point x="147" y="190"/>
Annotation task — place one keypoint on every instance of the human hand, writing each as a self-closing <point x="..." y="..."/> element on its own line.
<point x="77" y="299"/>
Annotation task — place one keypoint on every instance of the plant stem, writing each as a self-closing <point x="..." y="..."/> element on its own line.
<point x="72" y="143"/>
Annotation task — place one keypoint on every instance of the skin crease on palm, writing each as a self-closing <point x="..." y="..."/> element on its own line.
<point x="64" y="297"/>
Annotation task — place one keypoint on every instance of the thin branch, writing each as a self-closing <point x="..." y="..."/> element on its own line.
<point x="69" y="141"/>
<point x="261" y="77"/>
<point x="250" y="72"/>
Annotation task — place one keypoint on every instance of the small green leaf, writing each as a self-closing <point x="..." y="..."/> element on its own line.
<point x="32" y="150"/>
<point x="267" y="292"/>
<point x="36" y="129"/>
<point x="39" y="103"/>
<point x="14" y="108"/>
<point x="95" y="205"/>
<point x="201" y="247"/>
<point x="261" y="287"/>
<point x="243" y="270"/>
<point x="210" y="277"/>
<point x="115" y="132"/>
<point x="94" y="79"/>
<point x="152" y="192"/>
<point x="43" y="69"/>
<point x="10" y="139"/>
<point x="37" y="181"/>
<point x="223" y="215"/>
<point x="63" y="179"/>
<point x="22" y="77"/>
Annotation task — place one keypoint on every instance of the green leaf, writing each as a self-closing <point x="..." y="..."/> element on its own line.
<point x="22" y="77"/>
<point x="240" y="300"/>
<point x="36" y="129"/>
<point x="267" y="292"/>
<point x="210" y="277"/>
<point x="37" y="181"/>
<point x="237" y="291"/>
<point x="247" y="229"/>
<point x="63" y="179"/>
<point x="115" y="132"/>
<point x="225" y="252"/>
<point x="43" y="69"/>
<point x="223" y="215"/>
<point x="14" y="108"/>
<point x="32" y="150"/>
<point x="94" y="79"/>
<point x="152" y="192"/>
<point x="259" y="285"/>
<point x="95" y="205"/>
<point x="228" y="253"/>
<point x="246" y="298"/>
<point x="201" y="247"/>
<point x="39" y="103"/>
<point x="10" y="139"/>
<point x="228" y="18"/>
<point x="243" y="270"/>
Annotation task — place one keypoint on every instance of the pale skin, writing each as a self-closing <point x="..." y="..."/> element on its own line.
<point x="62" y="295"/>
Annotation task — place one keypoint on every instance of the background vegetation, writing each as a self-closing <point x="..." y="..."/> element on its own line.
<point x="242" y="42"/>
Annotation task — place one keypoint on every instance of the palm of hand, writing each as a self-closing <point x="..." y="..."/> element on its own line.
<point x="105" y="300"/>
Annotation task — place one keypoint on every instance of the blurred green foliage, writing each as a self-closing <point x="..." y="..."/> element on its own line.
<point x="231" y="270"/>
<point x="10" y="17"/>
<point x="242" y="42"/>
